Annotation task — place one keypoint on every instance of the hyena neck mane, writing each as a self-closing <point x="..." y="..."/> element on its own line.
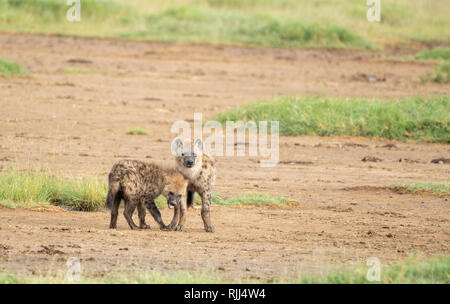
<point x="190" y="173"/>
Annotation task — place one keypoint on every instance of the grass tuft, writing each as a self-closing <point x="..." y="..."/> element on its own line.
<point x="435" y="189"/>
<point x="41" y="188"/>
<point x="8" y="68"/>
<point x="440" y="74"/>
<point x="256" y="199"/>
<point x="415" y="119"/>
<point x="138" y="131"/>
<point x="439" y="53"/>
<point x="412" y="271"/>
<point x="252" y="199"/>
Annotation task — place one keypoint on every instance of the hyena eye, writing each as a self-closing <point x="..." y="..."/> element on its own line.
<point x="194" y="154"/>
<point x="183" y="154"/>
<point x="170" y="193"/>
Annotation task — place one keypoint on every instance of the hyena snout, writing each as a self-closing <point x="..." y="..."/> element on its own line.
<point x="189" y="159"/>
<point x="173" y="200"/>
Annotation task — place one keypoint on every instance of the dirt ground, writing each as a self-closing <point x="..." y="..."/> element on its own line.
<point x="76" y="123"/>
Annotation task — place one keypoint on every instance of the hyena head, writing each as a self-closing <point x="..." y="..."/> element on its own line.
<point x="175" y="188"/>
<point x="188" y="155"/>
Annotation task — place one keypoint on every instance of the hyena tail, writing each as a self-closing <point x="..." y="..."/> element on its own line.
<point x="112" y="193"/>
<point x="190" y="199"/>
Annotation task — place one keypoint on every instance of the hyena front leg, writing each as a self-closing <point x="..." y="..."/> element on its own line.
<point x="130" y="206"/>
<point x="175" y="219"/>
<point x="141" y="214"/>
<point x="206" y="206"/>
<point x="183" y="206"/>
<point x="151" y="206"/>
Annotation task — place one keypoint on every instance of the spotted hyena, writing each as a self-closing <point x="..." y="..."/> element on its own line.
<point x="139" y="184"/>
<point x="199" y="169"/>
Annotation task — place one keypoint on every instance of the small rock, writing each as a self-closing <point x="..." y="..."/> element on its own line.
<point x="441" y="161"/>
<point x="371" y="159"/>
<point x="390" y="146"/>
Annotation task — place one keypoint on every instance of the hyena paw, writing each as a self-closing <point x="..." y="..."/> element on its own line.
<point x="144" y="226"/>
<point x="169" y="228"/>
<point x="178" y="228"/>
<point x="209" y="229"/>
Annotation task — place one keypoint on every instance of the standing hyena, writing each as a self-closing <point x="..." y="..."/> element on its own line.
<point x="199" y="169"/>
<point x="139" y="184"/>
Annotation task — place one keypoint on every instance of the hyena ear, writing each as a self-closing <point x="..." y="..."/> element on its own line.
<point x="199" y="144"/>
<point x="177" y="144"/>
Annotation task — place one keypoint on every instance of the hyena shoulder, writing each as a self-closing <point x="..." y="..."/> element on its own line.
<point x="206" y="176"/>
<point x="208" y="166"/>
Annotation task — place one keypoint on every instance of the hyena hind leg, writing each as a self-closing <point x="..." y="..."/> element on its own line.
<point x="141" y="215"/>
<point x="115" y="210"/>
<point x="130" y="206"/>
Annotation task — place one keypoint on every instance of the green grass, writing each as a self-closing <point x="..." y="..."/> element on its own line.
<point x="249" y="199"/>
<point x="414" y="270"/>
<point x="440" y="74"/>
<point x="138" y="131"/>
<point x="98" y="18"/>
<point x="192" y="24"/>
<point x="8" y="68"/>
<point x="439" y="53"/>
<point x="410" y="119"/>
<point x="41" y="188"/>
<point x="332" y="23"/>
<point x="255" y="199"/>
<point x="436" y="189"/>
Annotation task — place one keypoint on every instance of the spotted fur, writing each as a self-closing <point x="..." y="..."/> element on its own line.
<point x="199" y="169"/>
<point x="139" y="184"/>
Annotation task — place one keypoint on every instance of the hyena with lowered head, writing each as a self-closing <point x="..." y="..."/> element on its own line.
<point x="199" y="169"/>
<point x="139" y="184"/>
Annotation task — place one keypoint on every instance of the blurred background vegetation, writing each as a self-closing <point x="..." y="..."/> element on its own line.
<point x="293" y="23"/>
